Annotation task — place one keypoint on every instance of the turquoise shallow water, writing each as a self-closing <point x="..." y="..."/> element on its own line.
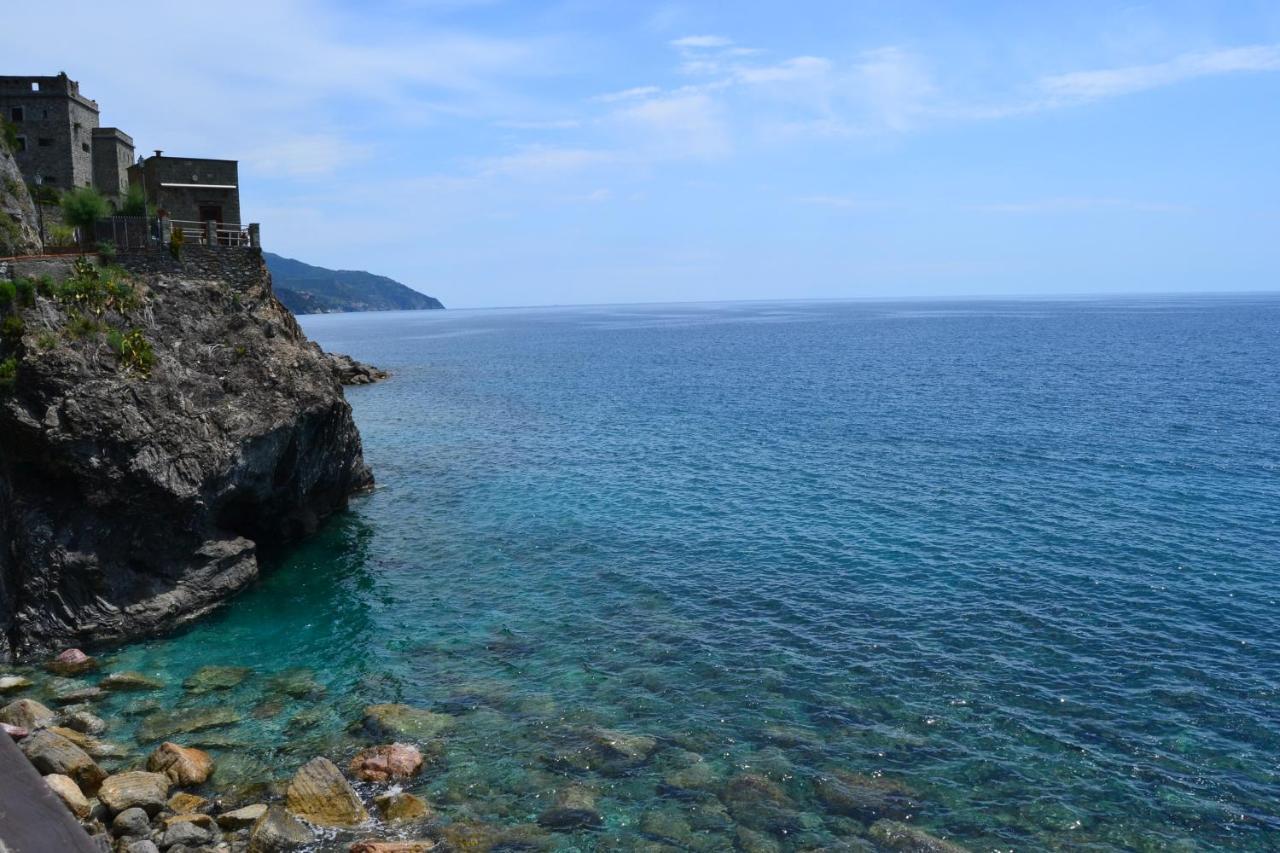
<point x="1020" y="557"/>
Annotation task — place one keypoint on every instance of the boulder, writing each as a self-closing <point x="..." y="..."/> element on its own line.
<point x="50" y="752"/>
<point x="182" y="764"/>
<point x="242" y="817"/>
<point x="865" y="798"/>
<point x="78" y="695"/>
<point x="146" y="845"/>
<point x="27" y="713"/>
<point x="83" y="722"/>
<point x="135" y="788"/>
<point x="393" y="762"/>
<point x="13" y="683"/>
<point x="69" y="792"/>
<point x="399" y="807"/>
<point x="208" y="678"/>
<point x="185" y="803"/>
<point x="278" y="831"/>
<point x="392" y="847"/>
<point x="320" y="795"/>
<point x="96" y="748"/>
<point x="193" y="830"/>
<point x="894" y="835"/>
<point x="15" y="732"/>
<point x="164" y="724"/>
<point x="71" y="662"/>
<point x="404" y="722"/>
<point x="575" y="808"/>
<point x="131" y="823"/>
<point x="129" y="681"/>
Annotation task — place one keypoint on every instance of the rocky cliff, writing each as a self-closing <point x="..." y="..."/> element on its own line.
<point x="161" y="422"/>
<point x="18" y="234"/>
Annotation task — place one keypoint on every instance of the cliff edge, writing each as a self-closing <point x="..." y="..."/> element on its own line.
<point x="18" y="232"/>
<point x="159" y="421"/>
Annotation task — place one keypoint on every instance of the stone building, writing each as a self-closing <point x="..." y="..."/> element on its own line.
<point x="191" y="189"/>
<point x="60" y="142"/>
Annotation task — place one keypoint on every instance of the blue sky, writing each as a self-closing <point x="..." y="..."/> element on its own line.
<point x="517" y="153"/>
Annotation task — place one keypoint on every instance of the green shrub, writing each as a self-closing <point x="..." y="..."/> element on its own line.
<point x="80" y="327"/>
<point x="176" y="238"/>
<point x="11" y="330"/>
<point x="45" y="286"/>
<point x="8" y="374"/>
<point x="46" y="340"/>
<point x="26" y="290"/>
<point x="134" y="203"/>
<point x="134" y="350"/>
<point x="61" y="235"/>
<point x="8" y="293"/>
<point x="83" y="207"/>
<point x="106" y="250"/>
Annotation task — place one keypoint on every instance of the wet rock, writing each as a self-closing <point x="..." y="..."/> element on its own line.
<point x="307" y="718"/>
<point x="27" y="714"/>
<point x="391" y="762"/>
<point x="267" y="709"/>
<point x="71" y="662"/>
<point x="146" y="845"/>
<point x="192" y="830"/>
<point x="141" y="708"/>
<point x="399" y="806"/>
<point x="52" y="753"/>
<point x="473" y="835"/>
<point x="278" y="831"/>
<point x="348" y="371"/>
<point x="129" y="681"/>
<point x="404" y="722"/>
<point x="83" y="722"/>
<point x="757" y="803"/>
<point x="131" y="823"/>
<point x="300" y="683"/>
<point x="392" y="846"/>
<point x="182" y="764"/>
<point x="185" y="803"/>
<point x="208" y="678"/>
<point x="866" y="798"/>
<point x="96" y="748"/>
<point x="13" y="683"/>
<point x="320" y="795"/>
<point x="78" y="695"/>
<point x="14" y="732"/>
<point x="242" y="817"/>
<point x="895" y="835"/>
<point x="69" y="792"/>
<point x="575" y="808"/>
<point x="164" y="724"/>
<point x="135" y="788"/>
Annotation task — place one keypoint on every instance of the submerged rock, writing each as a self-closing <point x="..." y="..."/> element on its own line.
<point x="278" y="831"/>
<point x="900" y="836"/>
<point x="392" y="762"/>
<point x="182" y="764"/>
<point x="299" y="682"/>
<point x="50" y="752"/>
<point x="135" y="498"/>
<point x="575" y="808"/>
<point x="13" y="683"/>
<point x="135" y="789"/>
<point x="404" y="722"/>
<point x="27" y="714"/>
<point x="84" y="722"/>
<point x="757" y="803"/>
<point x="392" y="847"/>
<point x="866" y="798"/>
<point x="319" y="794"/>
<point x="399" y="806"/>
<point x="69" y="792"/>
<point x="208" y="678"/>
<point x="165" y="724"/>
<point x="128" y="681"/>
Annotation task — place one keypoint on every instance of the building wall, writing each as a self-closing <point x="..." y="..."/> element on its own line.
<point x="55" y="122"/>
<point x="112" y="157"/>
<point x="182" y="185"/>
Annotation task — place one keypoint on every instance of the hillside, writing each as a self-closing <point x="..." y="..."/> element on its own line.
<point x="305" y="289"/>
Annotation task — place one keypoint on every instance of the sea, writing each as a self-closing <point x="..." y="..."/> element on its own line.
<point x="1007" y="572"/>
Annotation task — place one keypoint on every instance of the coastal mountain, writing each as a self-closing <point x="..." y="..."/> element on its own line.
<point x="306" y="289"/>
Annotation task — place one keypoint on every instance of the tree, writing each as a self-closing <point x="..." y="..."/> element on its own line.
<point x="135" y="203"/>
<point x="83" y="207"/>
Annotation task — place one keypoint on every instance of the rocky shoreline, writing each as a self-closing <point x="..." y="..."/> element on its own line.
<point x="175" y="786"/>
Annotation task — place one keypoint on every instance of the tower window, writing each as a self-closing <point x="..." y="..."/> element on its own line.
<point x="35" y="87"/>
<point x="84" y="146"/>
<point x="16" y="114"/>
<point x="44" y="142"/>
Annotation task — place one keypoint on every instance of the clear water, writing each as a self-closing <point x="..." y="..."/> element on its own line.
<point x="1022" y="557"/>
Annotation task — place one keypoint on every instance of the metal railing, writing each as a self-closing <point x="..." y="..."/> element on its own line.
<point x="221" y="234"/>
<point x="128" y="232"/>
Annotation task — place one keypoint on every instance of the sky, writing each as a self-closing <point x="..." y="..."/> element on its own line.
<point x="521" y="152"/>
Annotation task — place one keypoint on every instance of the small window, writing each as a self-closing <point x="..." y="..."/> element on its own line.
<point x="35" y="87"/>
<point x="50" y="180"/>
<point x="22" y="143"/>
<point x="84" y="146"/>
<point x="16" y="114"/>
<point x="44" y="142"/>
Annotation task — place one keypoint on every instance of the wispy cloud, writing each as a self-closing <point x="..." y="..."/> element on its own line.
<point x="1064" y="205"/>
<point x="1113" y="82"/>
<point x="701" y="42"/>
<point x="627" y="94"/>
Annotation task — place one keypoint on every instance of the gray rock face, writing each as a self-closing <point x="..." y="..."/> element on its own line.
<point x="18" y="224"/>
<point x="131" y="504"/>
<point x="351" y="372"/>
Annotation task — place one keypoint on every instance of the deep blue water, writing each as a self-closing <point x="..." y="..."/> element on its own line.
<point x="1021" y="557"/>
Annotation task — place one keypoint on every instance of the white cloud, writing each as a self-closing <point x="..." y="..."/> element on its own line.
<point x="1113" y="82"/>
<point x="627" y="94"/>
<point x="684" y="125"/>
<point x="701" y="42"/>
<point x="305" y="155"/>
